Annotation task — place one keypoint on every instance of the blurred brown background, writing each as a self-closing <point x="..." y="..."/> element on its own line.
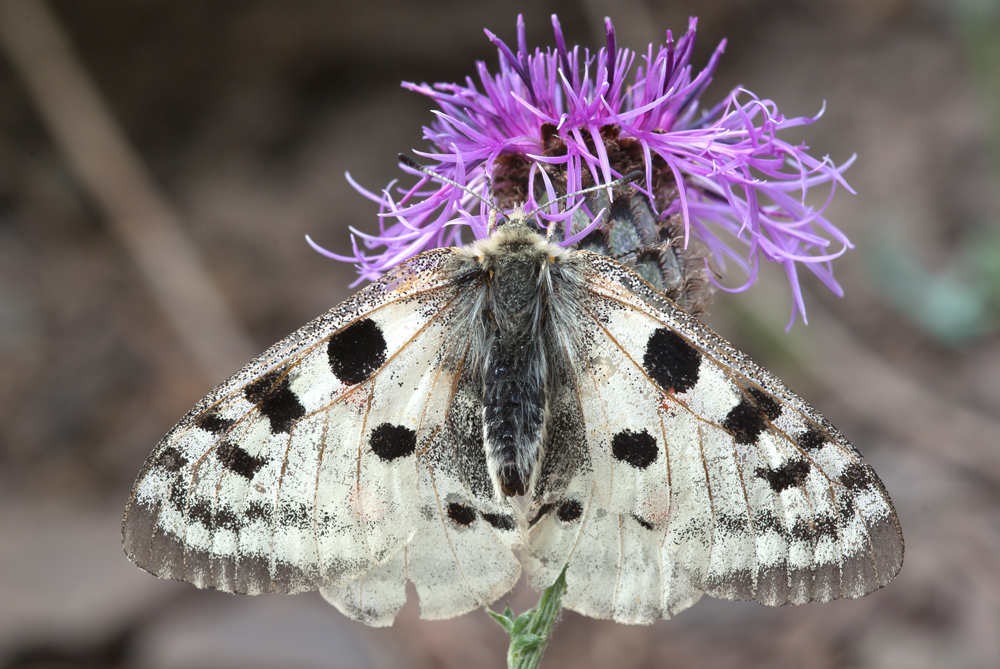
<point x="243" y="118"/>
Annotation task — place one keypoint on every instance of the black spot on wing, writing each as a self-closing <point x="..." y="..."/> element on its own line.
<point x="461" y="514"/>
<point x="499" y="521"/>
<point x="635" y="448"/>
<point x="811" y="440"/>
<point x="214" y="423"/>
<point x="294" y="515"/>
<point x="670" y="361"/>
<point x="390" y="441"/>
<point x="275" y="400"/>
<point x="765" y="521"/>
<point x="821" y="526"/>
<point x="792" y="473"/>
<point x="569" y="511"/>
<point x="768" y="406"/>
<point x="845" y="508"/>
<point x="238" y="461"/>
<point x="732" y="525"/>
<point x="171" y="459"/>
<point x="256" y="392"/>
<point x="745" y="421"/>
<point x="856" y="477"/>
<point x="644" y="523"/>
<point x="201" y="512"/>
<point x="257" y="510"/>
<point x="178" y="495"/>
<point x="227" y="520"/>
<point x="357" y="351"/>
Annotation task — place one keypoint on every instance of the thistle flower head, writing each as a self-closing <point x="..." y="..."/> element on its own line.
<point x="553" y="122"/>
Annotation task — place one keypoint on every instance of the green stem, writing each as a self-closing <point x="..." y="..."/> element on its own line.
<point x="529" y="632"/>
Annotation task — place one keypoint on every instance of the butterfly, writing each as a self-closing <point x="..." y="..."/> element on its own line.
<point x="511" y="406"/>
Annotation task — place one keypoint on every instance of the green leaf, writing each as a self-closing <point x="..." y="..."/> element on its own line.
<point x="505" y="619"/>
<point x="525" y="642"/>
<point x="522" y="622"/>
<point x="529" y="632"/>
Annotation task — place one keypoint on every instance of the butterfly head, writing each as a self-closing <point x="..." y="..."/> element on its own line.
<point x="516" y="240"/>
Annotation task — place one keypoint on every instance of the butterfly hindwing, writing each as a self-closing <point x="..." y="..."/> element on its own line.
<point x="707" y="467"/>
<point x="608" y="523"/>
<point x="460" y="555"/>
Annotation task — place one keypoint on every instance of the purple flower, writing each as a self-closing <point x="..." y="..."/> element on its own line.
<point x="553" y="122"/>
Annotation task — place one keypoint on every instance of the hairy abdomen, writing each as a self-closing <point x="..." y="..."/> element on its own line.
<point x="514" y="408"/>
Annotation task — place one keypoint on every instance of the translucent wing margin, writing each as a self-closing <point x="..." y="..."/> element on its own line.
<point x="307" y="470"/>
<point x="703" y="474"/>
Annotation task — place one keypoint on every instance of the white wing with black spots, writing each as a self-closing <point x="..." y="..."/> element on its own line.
<point x="703" y="474"/>
<point x="460" y="554"/>
<point x="383" y="443"/>
<point x="329" y="462"/>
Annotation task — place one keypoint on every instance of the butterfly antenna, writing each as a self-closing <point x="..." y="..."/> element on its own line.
<point x="494" y="210"/>
<point x="411" y="162"/>
<point x="620" y="181"/>
<point x="631" y="177"/>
